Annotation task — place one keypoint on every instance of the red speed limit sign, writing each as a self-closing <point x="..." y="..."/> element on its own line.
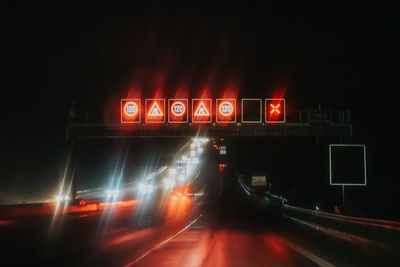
<point x="130" y="110"/>
<point x="226" y="110"/>
<point x="177" y="110"/>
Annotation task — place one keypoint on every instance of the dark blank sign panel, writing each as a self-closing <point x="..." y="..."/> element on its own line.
<point x="347" y="164"/>
<point x="251" y="110"/>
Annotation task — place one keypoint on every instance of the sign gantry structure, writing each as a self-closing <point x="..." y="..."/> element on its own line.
<point x="221" y="117"/>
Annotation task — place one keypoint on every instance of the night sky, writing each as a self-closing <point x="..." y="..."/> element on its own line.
<point x="342" y="57"/>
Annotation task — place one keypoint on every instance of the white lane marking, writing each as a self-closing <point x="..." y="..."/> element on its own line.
<point x="162" y="243"/>
<point x="337" y="234"/>
<point x="312" y="257"/>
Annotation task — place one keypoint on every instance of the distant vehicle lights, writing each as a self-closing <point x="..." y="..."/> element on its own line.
<point x="169" y="183"/>
<point x="62" y="198"/>
<point x="112" y="193"/>
<point x="145" y="188"/>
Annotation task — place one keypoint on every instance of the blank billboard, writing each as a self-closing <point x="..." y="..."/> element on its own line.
<point x="347" y="164"/>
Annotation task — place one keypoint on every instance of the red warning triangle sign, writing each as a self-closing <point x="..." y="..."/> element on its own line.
<point x="155" y="110"/>
<point x="201" y="110"/>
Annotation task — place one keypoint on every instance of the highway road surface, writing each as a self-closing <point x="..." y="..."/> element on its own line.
<point x="220" y="229"/>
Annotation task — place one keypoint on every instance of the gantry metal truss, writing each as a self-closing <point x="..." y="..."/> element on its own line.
<point x="300" y="123"/>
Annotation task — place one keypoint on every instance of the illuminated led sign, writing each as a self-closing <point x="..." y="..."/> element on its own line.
<point x="155" y="110"/>
<point x="201" y="110"/>
<point x="177" y="110"/>
<point x="275" y="110"/>
<point x="226" y="110"/>
<point x="130" y="110"/>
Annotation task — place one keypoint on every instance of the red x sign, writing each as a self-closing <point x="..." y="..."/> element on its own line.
<point x="275" y="110"/>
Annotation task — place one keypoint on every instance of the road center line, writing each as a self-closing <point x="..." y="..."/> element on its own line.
<point x="162" y="243"/>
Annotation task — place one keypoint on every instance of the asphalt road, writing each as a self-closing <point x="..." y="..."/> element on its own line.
<point x="233" y="232"/>
<point x="221" y="229"/>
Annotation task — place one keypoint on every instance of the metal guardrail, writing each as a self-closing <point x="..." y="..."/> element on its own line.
<point x="350" y="219"/>
<point x="372" y="229"/>
<point x="386" y="231"/>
